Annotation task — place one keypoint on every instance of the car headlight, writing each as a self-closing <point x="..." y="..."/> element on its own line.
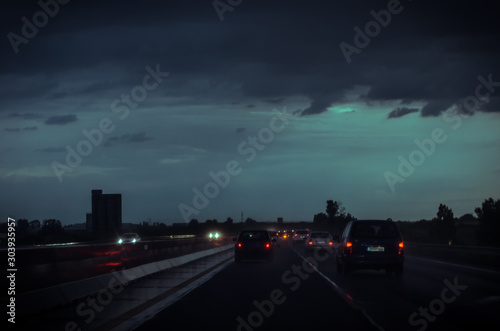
<point x="120" y="240"/>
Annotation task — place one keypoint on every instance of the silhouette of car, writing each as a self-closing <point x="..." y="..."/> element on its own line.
<point x="318" y="240"/>
<point x="128" y="238"/>
<point x="371" y="244"/>
<point x="300" y="236"/>
<point x="253" y="244"/>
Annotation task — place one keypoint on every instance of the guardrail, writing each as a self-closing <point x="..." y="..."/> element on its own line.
<point x="473" y="255"/>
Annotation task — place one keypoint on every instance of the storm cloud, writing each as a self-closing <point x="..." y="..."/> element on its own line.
<point x="61" y="119"/>
<point x="219" y="104"/>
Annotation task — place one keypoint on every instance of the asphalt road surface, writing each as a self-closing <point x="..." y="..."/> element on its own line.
<point x="291" y="293"/>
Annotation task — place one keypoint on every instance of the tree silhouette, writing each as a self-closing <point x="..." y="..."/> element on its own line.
<point x="211" y="222"/>
<point x="443" y="226"/>
<point x="23" y="226"/>
<point x="250" y="221"/>
<point x="320" y="219"/>
<point x="489" y="218"/>
<point x="51" y="226"/>
<point x="444" y="213"/>
<point x="35" y="225"/>
<point x="332" y="208"/>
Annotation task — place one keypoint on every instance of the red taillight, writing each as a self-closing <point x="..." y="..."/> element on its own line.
<point x="401" y="245"/>
<point x="348" y="246"/>
<point x="330" y="243"/>
<point x="239" y="245"/>
<point x="295" y="235"/>
<point x="268" y="245"/>
<point x="310" y="243"/>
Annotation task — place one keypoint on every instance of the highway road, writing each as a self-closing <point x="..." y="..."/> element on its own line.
<point x="292" y="293"/>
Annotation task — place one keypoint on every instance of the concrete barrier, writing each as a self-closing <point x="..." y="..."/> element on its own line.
<point x="66" y="293"/>
<point x="54" y="265"/>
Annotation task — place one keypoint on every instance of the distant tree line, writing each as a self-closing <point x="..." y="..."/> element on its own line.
<point x="334" y="219"/>
<point x="36" y="232"/>
<point x="445" y="228"/>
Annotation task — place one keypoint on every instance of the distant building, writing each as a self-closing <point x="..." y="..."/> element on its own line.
<point x="280" y="220"/>
<point x="88" y="223"/>
<point x="106" y="217"/>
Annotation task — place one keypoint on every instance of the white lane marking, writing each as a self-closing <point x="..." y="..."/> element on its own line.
<point x="343" y="294"/>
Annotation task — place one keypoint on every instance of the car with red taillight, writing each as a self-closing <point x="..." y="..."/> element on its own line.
<point x="371" y="244"/>
<point x="253" y="244"/>
<point x="300" y="236"/>
<point x="318" y="240"/>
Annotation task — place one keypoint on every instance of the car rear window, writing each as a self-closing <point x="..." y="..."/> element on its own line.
<point x="257" y="235"/>
<point x="374" y="230"/>
<point x="319" y="235"/>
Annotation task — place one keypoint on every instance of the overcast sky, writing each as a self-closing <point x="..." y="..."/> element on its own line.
<point x="191" y="110"/>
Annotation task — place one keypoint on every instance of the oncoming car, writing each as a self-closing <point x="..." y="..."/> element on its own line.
<point x="318" y="240"/>
<point x="128" y="238"/>
<point x="371" y="244"/>
<point x="253" y="244"/>
<point x="214" y="235"/>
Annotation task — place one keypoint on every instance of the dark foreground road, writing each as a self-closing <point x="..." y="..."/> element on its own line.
<point x="288" y="294"/>
<point x="261" y="295"/>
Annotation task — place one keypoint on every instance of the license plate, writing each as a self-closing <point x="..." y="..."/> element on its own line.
<point x="375" y="248"/>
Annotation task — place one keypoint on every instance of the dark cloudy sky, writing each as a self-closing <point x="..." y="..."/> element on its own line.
<point x="147" y="98"/>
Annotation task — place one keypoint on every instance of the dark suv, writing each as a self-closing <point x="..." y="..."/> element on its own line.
<point x="371" y="244"/>
<point x="253" y="244"/>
